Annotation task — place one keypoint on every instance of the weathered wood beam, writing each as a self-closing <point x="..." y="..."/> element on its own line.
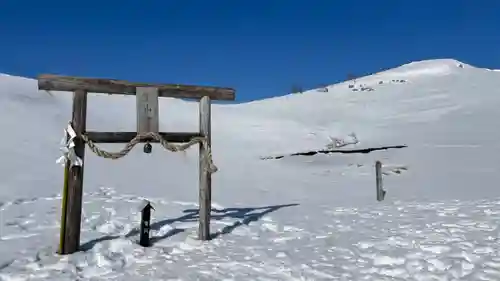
<point x="121" y="137"/>
<point x="148" y="115"/>
<point x="205" y="192"/>
<point x="51" y="82"/>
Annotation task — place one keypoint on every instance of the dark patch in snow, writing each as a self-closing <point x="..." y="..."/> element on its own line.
<point x="328" y="151"/>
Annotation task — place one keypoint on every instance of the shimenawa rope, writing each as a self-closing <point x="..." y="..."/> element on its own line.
<point x="211" y="168"/>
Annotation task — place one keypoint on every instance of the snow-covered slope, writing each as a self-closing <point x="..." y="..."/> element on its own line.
<point x="296" y="218"/>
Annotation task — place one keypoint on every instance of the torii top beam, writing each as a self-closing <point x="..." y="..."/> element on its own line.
<point x="51" y="82"/>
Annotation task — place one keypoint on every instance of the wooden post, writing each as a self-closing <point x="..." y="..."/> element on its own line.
<point x="378" y="177"/>
<point x="64" y="207"/>
<point x="205" y="196"/>
<point x="73" y="211"/>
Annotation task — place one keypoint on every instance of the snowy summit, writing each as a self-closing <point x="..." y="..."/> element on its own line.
<point x="293" y="218"/>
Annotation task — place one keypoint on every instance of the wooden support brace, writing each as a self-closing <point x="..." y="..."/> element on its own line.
<point x="72" y="214"/>
<point x="205" y="196"/>
<point x="124" y="137"/>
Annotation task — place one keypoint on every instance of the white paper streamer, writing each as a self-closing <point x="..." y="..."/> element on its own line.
<point x="68" y="148"/>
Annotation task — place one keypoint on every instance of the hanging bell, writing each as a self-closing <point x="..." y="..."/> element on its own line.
<point x="147" y="148"/>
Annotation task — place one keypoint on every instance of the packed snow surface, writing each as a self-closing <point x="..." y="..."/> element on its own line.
<point x="296" y="218"/>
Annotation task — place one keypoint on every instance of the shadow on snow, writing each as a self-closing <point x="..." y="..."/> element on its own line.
<point x="244" y="216"/>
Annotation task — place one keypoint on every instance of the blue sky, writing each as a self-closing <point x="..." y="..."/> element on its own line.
<point x="259" y="47"/>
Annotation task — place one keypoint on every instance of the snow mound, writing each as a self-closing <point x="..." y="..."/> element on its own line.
<point x="427" y="67"/>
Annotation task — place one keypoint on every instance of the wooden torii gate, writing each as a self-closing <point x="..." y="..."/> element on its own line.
<point x="147" y="123"/>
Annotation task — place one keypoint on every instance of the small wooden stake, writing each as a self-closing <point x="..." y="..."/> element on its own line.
<point x="378" y="175"/>
<point x="205" y="196"/>
<point x="73" y="212"/>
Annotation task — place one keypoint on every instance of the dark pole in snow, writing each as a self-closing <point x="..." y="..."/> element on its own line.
<point x="378" y="175"/>
<point x="145" y="225"/>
